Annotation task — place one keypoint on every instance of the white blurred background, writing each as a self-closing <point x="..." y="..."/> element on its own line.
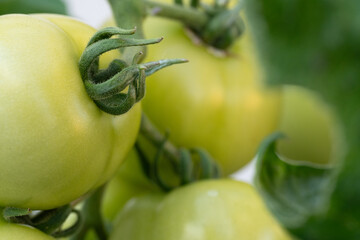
<point x="95" y="13"/>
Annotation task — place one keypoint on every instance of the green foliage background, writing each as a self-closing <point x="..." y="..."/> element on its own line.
<point x="32" y="6"/>
<point x="316" y="44"/>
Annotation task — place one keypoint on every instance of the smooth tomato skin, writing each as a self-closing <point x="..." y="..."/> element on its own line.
<point x="11" y="231"/>
<point x="16" y="232"/>
<point x="217" y="103"/>
<point x="206" y="210"/>
<point x="129" y="182"/>
<point x="55" y="144"/>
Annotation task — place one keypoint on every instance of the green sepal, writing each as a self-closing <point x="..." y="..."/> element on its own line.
<point x="106" y="86"/>
<point x="50" y="221"/>
<point x="93" y="51"/>
<point x="187" y="164"/>
<point x="152" y="67"/>
<point x="11" y="212"/>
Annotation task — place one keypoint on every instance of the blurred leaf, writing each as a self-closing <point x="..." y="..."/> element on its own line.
<point x="315" y="44"/>
<point x="32" y="6"/>
<point x="298" y="194"/>
<point x="292" y="191"/>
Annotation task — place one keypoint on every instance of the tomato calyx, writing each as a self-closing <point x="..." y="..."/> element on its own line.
<point x="216" y="25"/>
<point x="224" y="27"/>
<point x="188" y="164"/>
<point x="106" y="86"/>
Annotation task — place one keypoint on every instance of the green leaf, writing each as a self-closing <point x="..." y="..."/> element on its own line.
<point x="298" y="194"/>
<point x="293" y="191"/>
<point x="32" y="6"/>
<point x="315" y="44"/>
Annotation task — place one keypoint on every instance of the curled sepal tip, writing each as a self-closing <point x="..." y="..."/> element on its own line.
<point x="152" y="67"/>
<point x="107" y="86"/>
<point x="93" y="51"/>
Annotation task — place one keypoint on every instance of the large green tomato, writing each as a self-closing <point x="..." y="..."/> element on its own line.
<point x="55" y="143"/>
<point x="206" y="210"/>
<point x="217" y="103"/>
<point x="11" y="231"/>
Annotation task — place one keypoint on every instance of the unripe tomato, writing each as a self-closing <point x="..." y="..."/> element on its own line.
<point x="11" y="231"/>
<point x="207" y="210"/>
<point x="55" y="143"/>
<point x="217" y="103"/>
<point x="130" y="181"/>
<point x="220" y="104"/>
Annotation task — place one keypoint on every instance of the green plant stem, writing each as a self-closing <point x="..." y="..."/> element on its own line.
<point x="149" y="131"/>
<point x="129" y="14"/>
<point x="191" y="17"/>
<point x="92" y="216"/>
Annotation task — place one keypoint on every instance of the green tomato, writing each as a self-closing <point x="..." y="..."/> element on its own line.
<point x="217" y="103"/>
<point x="206" y="210"/>
<point x="55" y="143"/>
<point x="11" y="231"/>
<point x="130" y="181"/>
<point x="311" y="130"/>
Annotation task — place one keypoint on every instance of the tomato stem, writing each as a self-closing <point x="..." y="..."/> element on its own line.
<point x="149" y="131"/>
<point x="189" y="165"/>
<point x="129" y="14"/>
<point x="190" y="17"/>
<point x="92" y="216"/>
<point x="49" y="221"/>
<point x="63" y="233"/>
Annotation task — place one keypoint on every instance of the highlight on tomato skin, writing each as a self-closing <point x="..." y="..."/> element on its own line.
<point x="211" y="210"/>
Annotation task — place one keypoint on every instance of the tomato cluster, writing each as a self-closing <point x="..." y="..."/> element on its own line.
<point x="56" y="145"/>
